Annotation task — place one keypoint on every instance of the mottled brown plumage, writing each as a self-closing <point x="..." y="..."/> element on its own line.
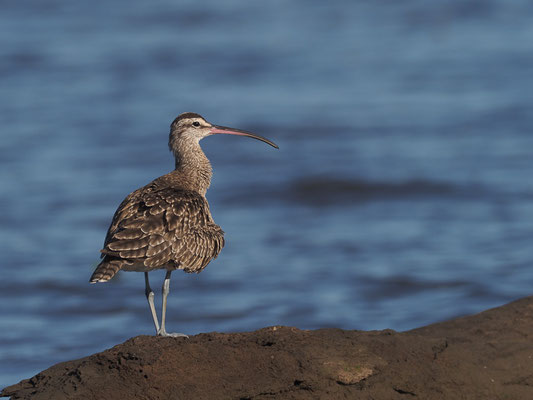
<point x="167" y="223"/>
<point x="160" y="226"/>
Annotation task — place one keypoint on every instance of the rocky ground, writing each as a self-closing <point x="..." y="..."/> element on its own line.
<point x="485" y="356"/>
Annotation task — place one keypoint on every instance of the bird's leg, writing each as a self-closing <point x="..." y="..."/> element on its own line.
<point x="150" y="297"/>
<point x="166" y="289"/>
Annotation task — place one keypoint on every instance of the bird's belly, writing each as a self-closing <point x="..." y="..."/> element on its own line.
<point x="140" y="267"/>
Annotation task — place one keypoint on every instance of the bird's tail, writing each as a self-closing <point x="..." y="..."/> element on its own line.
<point x="105" y="270"/>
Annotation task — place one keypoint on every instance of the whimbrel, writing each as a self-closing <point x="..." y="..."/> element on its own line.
<point x="167" y="223"/>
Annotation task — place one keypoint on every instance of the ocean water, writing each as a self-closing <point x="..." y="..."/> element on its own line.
<point x="402" y="193"/>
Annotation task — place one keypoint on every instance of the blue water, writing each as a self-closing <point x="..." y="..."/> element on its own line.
<point x="402" y="193"/>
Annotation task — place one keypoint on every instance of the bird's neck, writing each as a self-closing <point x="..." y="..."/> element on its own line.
<point x="193" y="169"/>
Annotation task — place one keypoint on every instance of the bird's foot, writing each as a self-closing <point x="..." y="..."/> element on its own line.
<point x="164" y="333"/>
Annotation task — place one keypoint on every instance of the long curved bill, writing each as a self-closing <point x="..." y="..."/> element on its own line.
<point x="239" y="132"/>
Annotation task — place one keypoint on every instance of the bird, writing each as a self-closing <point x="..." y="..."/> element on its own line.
<point x="167" y="224"/>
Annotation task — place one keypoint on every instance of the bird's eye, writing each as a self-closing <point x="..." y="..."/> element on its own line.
<point x="195" y="123"/>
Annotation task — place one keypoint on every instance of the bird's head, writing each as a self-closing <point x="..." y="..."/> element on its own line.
<point x="192" y="127"/>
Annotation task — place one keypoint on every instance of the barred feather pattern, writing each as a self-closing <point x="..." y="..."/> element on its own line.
<point x="106" y="270"/>
<point x="160" y="226"/>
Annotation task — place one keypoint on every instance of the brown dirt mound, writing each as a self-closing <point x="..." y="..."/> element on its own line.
<point x="485" y="356"/>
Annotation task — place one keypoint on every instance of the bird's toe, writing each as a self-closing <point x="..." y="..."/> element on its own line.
<point x="171" y="334"/>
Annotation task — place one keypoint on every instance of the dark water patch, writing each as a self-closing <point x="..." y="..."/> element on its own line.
<point x="196" y="284"/>
<point x="324" y="191"/>
<point x="244" y="311"/>
<point x="23" y="60"/>
<point x="400" y="286"/>
<point x="80" y="287"/>
<point x="177" y="19"/>
<point x="453" y="11"/>
<point x="346" y="247"/>
<point x="479" y="292"/>
<point x="253" y="194"/>
<point x="90" y="310"/>
<point x="64" y="288"/>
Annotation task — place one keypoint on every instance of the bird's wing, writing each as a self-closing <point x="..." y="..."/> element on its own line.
<point x="126" y="210"/>
<point x="161" y="227"/>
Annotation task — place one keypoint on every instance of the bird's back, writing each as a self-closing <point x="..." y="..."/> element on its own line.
<point x="161" y="225"/>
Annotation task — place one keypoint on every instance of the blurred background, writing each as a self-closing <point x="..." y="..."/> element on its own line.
<point x="401" y="194"/>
